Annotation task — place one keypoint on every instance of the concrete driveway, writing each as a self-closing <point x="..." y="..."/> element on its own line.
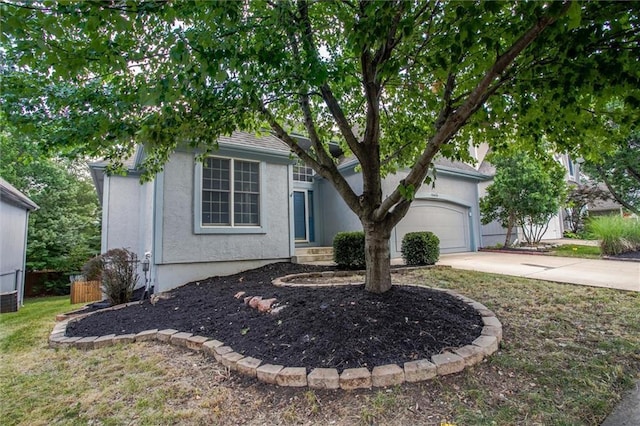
<point x="620" y="275"/>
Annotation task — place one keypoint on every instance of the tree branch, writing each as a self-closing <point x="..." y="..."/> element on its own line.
<point x="484" y="89"/>
<point x="329" y="171"/>
<point x="325" y="90"/>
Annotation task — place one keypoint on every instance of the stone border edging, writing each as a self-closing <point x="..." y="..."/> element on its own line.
<point x="448" y="362"/>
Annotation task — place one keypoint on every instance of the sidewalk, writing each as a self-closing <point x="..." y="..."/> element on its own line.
<point x="592" y="272"/>
<point x="627" y="413"/>
<point x="615" y="274"/>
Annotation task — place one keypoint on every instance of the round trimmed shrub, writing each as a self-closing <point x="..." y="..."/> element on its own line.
<point x="348" y="250"/>
<point x="420" y="248"/>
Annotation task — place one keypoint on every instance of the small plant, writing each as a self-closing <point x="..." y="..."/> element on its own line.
<point x="420" y="248"/>
<point x="119" y="276"/>
<point x="616" y="234"/>
<point x="348" y="250"/>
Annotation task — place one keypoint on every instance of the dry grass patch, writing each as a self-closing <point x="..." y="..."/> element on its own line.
<point x="568" y="354"/>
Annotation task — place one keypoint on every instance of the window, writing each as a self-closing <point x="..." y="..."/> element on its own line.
<point x="230" y="192"/>
<point x="302" y="172"/>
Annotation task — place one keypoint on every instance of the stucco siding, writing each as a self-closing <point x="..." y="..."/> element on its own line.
<point x="336" y="216"/>
<point x="452" y="195"/>
<point x="130" y="214"/>
<point x="174" y="275"/>
<point x="180" y="244"/>
<point x="12" y="246"/>
<point x="449" y="209"/>
<point x="127" y="216"/>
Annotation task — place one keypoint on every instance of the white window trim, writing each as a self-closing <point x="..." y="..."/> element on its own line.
<point x="199" y="228"/>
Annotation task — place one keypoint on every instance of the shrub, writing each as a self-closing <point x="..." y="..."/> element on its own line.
<point x="92" y="270"/>
<point x="348" y="250"/>
<point x="58" y="287"/>
<point x="119" y="276"/>
<point x="420" y="248"/>
<point x="616" y="234"/>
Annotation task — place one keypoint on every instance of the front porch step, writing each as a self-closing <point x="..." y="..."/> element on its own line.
<point x="313" y="254"/>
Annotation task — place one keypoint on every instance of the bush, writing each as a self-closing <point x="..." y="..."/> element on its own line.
<point x="92" y="270"/>
<point x="348" y="250"/>
<point x="119" y="276"/>
<point x="420" y="248"/>
<point x="58" y="287"/>
<point x="616" y="234"/>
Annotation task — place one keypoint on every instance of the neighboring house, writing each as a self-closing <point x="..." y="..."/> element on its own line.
<point x="250" y="204"/>
<point x="14" y="222"/>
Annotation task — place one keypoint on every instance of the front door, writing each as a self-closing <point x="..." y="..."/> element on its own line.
<point x="303" y="216"/>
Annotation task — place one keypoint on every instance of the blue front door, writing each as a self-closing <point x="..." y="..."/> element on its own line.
<point x="300" y="215"/>
<point x="303" y="215"/>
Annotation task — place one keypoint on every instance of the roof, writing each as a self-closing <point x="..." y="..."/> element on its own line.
<point x="442" y="165"/>
<point x="486" y="168"/>
<point x="11" y="195"/>
<point x="266" y="142"/>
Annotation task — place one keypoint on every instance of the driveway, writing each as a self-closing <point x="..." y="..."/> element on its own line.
<point x="616" y="274"/>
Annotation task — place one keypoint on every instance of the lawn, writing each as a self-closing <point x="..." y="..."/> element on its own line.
<point x="568" y="354"/>
<point x="576" y="250"/>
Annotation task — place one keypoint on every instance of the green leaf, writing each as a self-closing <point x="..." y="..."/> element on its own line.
<point x="574" y="14"/>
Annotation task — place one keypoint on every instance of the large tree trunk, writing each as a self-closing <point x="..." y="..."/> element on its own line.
<point x="378" y="258"/>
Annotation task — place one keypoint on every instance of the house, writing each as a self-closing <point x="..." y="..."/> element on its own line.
<point x="608" y="207"/>
<point x="249" y="204"/>
<point x="14" y="217"/>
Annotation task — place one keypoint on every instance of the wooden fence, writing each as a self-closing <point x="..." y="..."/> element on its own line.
<point x="85" y="291"/>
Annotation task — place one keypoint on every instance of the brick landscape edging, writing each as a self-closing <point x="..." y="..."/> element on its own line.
<point x="448" y="362"/>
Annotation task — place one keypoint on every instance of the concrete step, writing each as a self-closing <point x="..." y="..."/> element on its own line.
<point x="313" y="254"/>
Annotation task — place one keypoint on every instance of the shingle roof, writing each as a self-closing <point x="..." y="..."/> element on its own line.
<point x="11" y="195"/>
<point x="264" y="142"/>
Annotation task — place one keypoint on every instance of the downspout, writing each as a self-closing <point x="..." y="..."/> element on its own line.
<point x="106" y="195"/>
<point x="20" y="281"/>
<point x="292" y="243"/>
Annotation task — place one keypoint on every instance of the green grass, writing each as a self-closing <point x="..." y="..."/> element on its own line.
<point x="27" y="327"/>
<point x="575" y="250"/>
<point x="568" y="354"/>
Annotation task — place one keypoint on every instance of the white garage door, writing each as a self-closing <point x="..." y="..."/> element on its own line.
<point x="450" y="222"/>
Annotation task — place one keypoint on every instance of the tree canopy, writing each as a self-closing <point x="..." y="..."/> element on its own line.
<point x="527" y="191"/>
<point x="394" y="82"/>
<point x="619" y="170"/>
<point x="65" y="231"/>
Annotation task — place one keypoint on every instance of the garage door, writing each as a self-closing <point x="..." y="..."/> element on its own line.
<point x="450" y="222"/>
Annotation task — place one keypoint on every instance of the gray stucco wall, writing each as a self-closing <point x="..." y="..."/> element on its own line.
<point x="335" y="215"/>
<point x="12" y="247"/>
<point x="448" y="189"/>
<point x="182" y="255"/>
<point x="127" y="216"/>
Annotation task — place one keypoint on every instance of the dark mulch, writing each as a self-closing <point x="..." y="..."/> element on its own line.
<point x="338" y="327"/>
<point x="631" y="255"/>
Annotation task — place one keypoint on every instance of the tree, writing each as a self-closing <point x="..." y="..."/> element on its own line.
<point x="526" y="191"/>
<point x="579" y="196"/>
<point x="620" y="172"/>
<point x="65" y="231"/>
<point x="394" y="82"/>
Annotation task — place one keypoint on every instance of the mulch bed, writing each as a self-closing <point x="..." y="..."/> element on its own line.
<point x="332" y="327"/>
<point x="631" y="255"/>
